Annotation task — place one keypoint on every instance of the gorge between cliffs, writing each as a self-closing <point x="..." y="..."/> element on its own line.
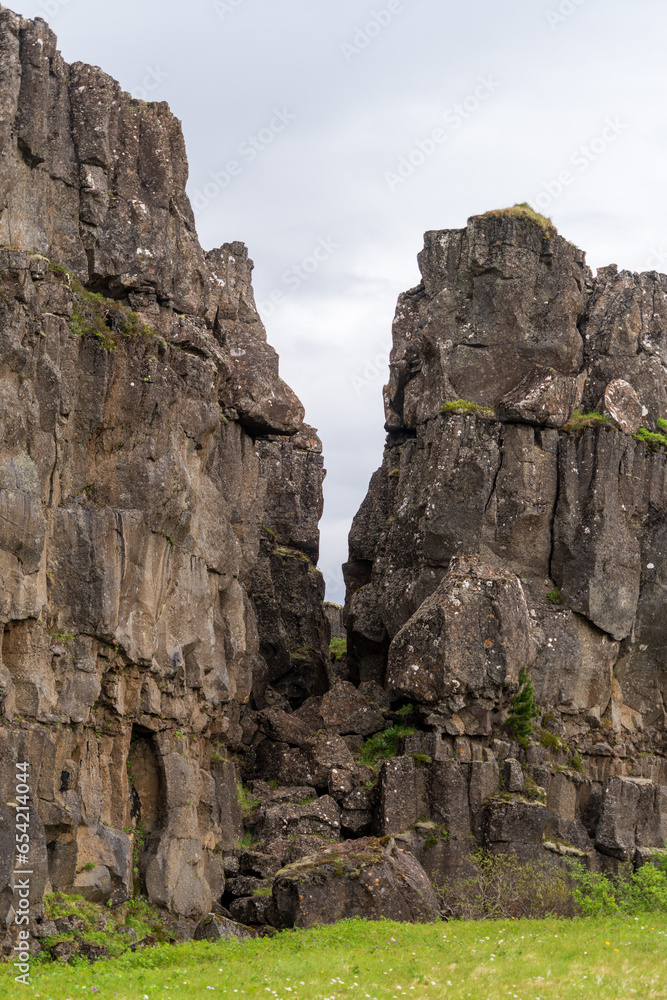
<point x="189" y="730"/>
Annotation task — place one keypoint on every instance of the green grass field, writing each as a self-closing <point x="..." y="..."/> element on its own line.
<point x="606" y="959"/>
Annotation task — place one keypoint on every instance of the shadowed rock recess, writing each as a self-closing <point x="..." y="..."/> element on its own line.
<point x="164" y="658"/>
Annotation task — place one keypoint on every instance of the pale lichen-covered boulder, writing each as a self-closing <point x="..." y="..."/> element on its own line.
<point x="467" y="641"/>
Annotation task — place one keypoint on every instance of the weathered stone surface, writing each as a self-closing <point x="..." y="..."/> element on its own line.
<point x="401" y="797"/>
<point x="319" y="818"/>
<point x="470" y="638"/>
<point x="358" y="878"/>
<point x="252" y="910"/>
<point x="258" y="865"/>
<point x="634" y="814"/>
<point x="623" y="406"/>
<point x="544" y="398"/>
<point x="283" y="727"/>
<point x="508" y="317"/>
<point x="517" y="824"/>
<point x="215" y="928"/>
<point x="154" y="471"/>
<point x="245" y="885"/>
<point x="512" y="775"/>
<point x="345" y="710"/>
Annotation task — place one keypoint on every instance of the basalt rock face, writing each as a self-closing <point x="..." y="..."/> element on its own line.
<point x="159" y="496"/>
<point x="506" y="531"/>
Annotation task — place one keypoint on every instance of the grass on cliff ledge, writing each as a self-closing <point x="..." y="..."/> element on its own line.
<point x="605" y="959"/>
<point x="525" y="213"/>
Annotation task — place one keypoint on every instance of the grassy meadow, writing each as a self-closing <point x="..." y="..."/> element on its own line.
<point x="606" y="958"/>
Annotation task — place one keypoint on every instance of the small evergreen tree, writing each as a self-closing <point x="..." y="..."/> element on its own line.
<point x="523" y="710"/>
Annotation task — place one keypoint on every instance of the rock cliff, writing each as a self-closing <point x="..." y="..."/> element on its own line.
<point x="159" y="497"/>
<point x="162" y="632"/>
<point x="519" y="519"/>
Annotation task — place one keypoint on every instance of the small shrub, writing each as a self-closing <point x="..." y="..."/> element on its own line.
<point x="577" y="764"/>
<point x="337" y="649"/>
<point x="523" y="710"/>
<point x="246" y="799"/>
<point x="405" y="710"/>
<point x="555" y="596"/>
<point x="383" y="746"/>
<point x="466" y="406"/>
<point x="94" y="315"/>
<point x="439" y="836"/>
<point x="661" y="424"/>
<point x="500" y="886"/>
<point x="549" y="740"/>
<point x="632" y="893"/>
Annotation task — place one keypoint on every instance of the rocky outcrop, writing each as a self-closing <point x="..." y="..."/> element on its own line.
<point x="159" y="496"/>
<point x="519" y="520"/>
<point x="162" y="632"/>
<point x="518" y="386"/>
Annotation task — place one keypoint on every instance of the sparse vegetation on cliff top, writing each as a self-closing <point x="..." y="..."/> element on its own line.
<point x="525" y="213"/>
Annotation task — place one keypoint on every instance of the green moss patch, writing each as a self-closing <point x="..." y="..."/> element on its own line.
<point x="652" y="439"/>
<point x="466" y="406"/>
<point x="578" y="421"/>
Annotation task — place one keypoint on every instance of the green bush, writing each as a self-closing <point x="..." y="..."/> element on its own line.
<point x="523" y="710"/>
<point x="579" y="420"/>
<point x="500" y="886"/>
<point x="555" y="596"/>
<point x="652" y="440"/>
<point x="383" y="746"/>
<point x="337" y="649"/>
<point x="632" y="893"/>
<point x="549" y="740"/>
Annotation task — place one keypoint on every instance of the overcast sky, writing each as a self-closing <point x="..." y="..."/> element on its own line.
<point x="316" y="104"/>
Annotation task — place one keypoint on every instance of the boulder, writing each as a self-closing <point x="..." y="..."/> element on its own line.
<point x="215" y="928"/>
<point x="623" y="406"/>
<point x="321" y="817"/>
<point x="253" y="910"/>
<point x="633" y="815"/>
<point x="471" y="636"/>
<point x="345" y="710"/>
<point x="284" y="728"/>
<point x="363" y="878"/>
<point x="515" y="825"/>
<point x="543" y="398"/>
<point x="258" y="865"/>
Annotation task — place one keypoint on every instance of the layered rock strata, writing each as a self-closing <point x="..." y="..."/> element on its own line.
<point x="159" y="497"/>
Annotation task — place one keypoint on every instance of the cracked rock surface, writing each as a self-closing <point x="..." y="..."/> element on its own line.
<point x="159" y="496"/>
